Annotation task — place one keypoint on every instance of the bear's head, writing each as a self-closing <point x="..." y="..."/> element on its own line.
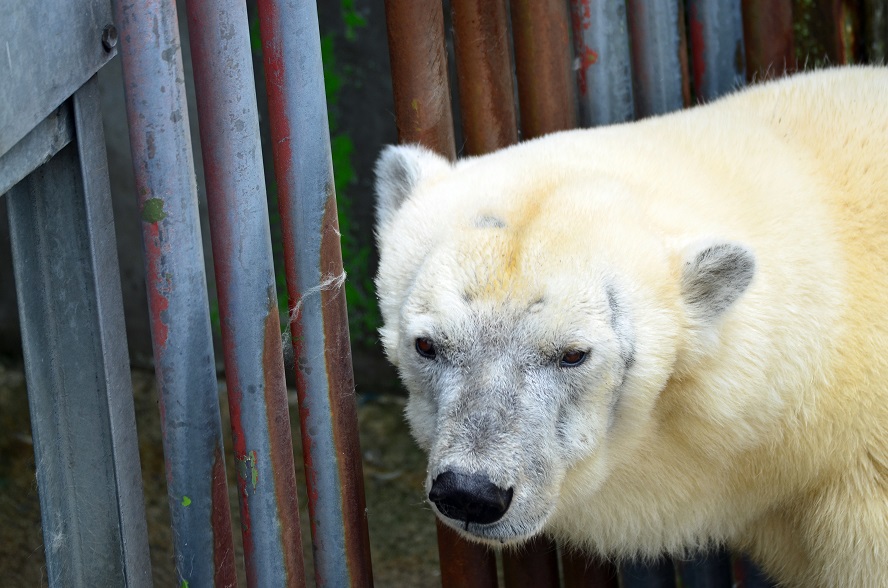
<point x="535" y="313"/>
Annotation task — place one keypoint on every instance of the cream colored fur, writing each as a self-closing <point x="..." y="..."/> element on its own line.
<point x="765" y="428"/>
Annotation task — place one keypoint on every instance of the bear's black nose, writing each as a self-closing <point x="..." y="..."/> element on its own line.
<point x="469" y="498"/>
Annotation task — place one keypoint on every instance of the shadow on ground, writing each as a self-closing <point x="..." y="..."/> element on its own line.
<point x="402" y="530"/>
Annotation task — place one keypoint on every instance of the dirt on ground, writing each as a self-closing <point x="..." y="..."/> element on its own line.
<point x="402" y="530"/>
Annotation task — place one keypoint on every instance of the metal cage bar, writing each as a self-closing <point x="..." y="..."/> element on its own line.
<point x="602" y="61"/>
<point x="768" y="38"/>
<point x="484" y="71"/>
<point x="315" y="282"/>
<point x="419" y="74"/>
<point x="251" y="334"/>
<point x="188" y="393"/>
<point x="718" y="56"/>
<point x="546" y="87"/>
<point x="659" y="57"/>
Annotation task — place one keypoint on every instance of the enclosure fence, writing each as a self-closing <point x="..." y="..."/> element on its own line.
<point x="522" y="69"/>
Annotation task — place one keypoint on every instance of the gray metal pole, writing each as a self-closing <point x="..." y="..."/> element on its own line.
<point x="719" y="59"/>
<point x="76" y="363"/>
<point x="315" y="281"/>
<point x="157" y="113"/>
<point x="251" y="335"/>
<point x="603" y="62"/>
<point x="659" y="57"/>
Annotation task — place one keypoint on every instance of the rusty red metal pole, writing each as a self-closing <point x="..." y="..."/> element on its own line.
<point x="315" y="281"/>
<point x="769" y="39"/>
<point x="464" y="564"/>
<point x="534" y="564"/>
<point x="188" y="392"/>
<point x="251" y="333"/>
<point x="484" y="71"/>
<point x="419" y="74"/>
<point x="543" y="64"/>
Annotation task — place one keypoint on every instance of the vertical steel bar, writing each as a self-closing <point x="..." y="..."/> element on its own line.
<point x="419" y="74"/>
<point x="603" y="62"/>
<point x="768" y="38"/>
<point x="315" y="280"/>
<point x="546" y="90"/>
<point x="659" y="57"/>
<point x="423" y="115"/>
<point x="718" y="57"/>
<point x="254" y="369"/>
<point x="484" y="71"/>
<point x="79" y="388"/>
<point x="157" y="113"/>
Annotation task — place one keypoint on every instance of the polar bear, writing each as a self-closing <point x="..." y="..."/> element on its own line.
<point x="657" y="336"/>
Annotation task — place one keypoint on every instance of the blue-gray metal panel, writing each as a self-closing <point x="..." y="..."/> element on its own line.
<point x="716" y="36"/>
<point x="48" y="49"/>
<point x="37" y="147"/>
<point x="655" y="33"/>
<point x="603" y="62"/>
<point x="77" y="370"/>
<point x="251" y="335"/>
<point x="163" y="167"/>
<point x="315" y="279"/>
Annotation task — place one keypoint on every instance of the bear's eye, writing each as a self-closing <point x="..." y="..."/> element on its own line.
<point x="572" y="358"/>
<point x="426" y="348"/>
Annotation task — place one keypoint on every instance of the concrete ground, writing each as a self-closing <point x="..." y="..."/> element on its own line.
<point x="402" y="530"/>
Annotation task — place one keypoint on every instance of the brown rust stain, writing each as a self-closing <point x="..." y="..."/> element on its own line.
<point x="344" y="414"/>
<point x="419" y="74"/>
<point x="281" y="440"/>
<point x="484" y="71"/>
<point x="220" y="519"/>
<point x="543" y="58"/>
<point x="464" y="564"/>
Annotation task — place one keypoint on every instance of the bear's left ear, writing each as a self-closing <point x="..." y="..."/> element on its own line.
<point x="399" y="170"/>
<point x="714" y="276"/>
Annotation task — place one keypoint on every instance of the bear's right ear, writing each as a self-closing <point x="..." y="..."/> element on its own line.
<point x="399" y="170"/>
<point x="714" y="275"/>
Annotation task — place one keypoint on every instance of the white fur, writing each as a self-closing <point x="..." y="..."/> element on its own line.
<point x="752" y="412"/>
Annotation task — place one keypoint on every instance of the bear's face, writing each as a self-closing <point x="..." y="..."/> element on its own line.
<point x="529" y="346"/>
